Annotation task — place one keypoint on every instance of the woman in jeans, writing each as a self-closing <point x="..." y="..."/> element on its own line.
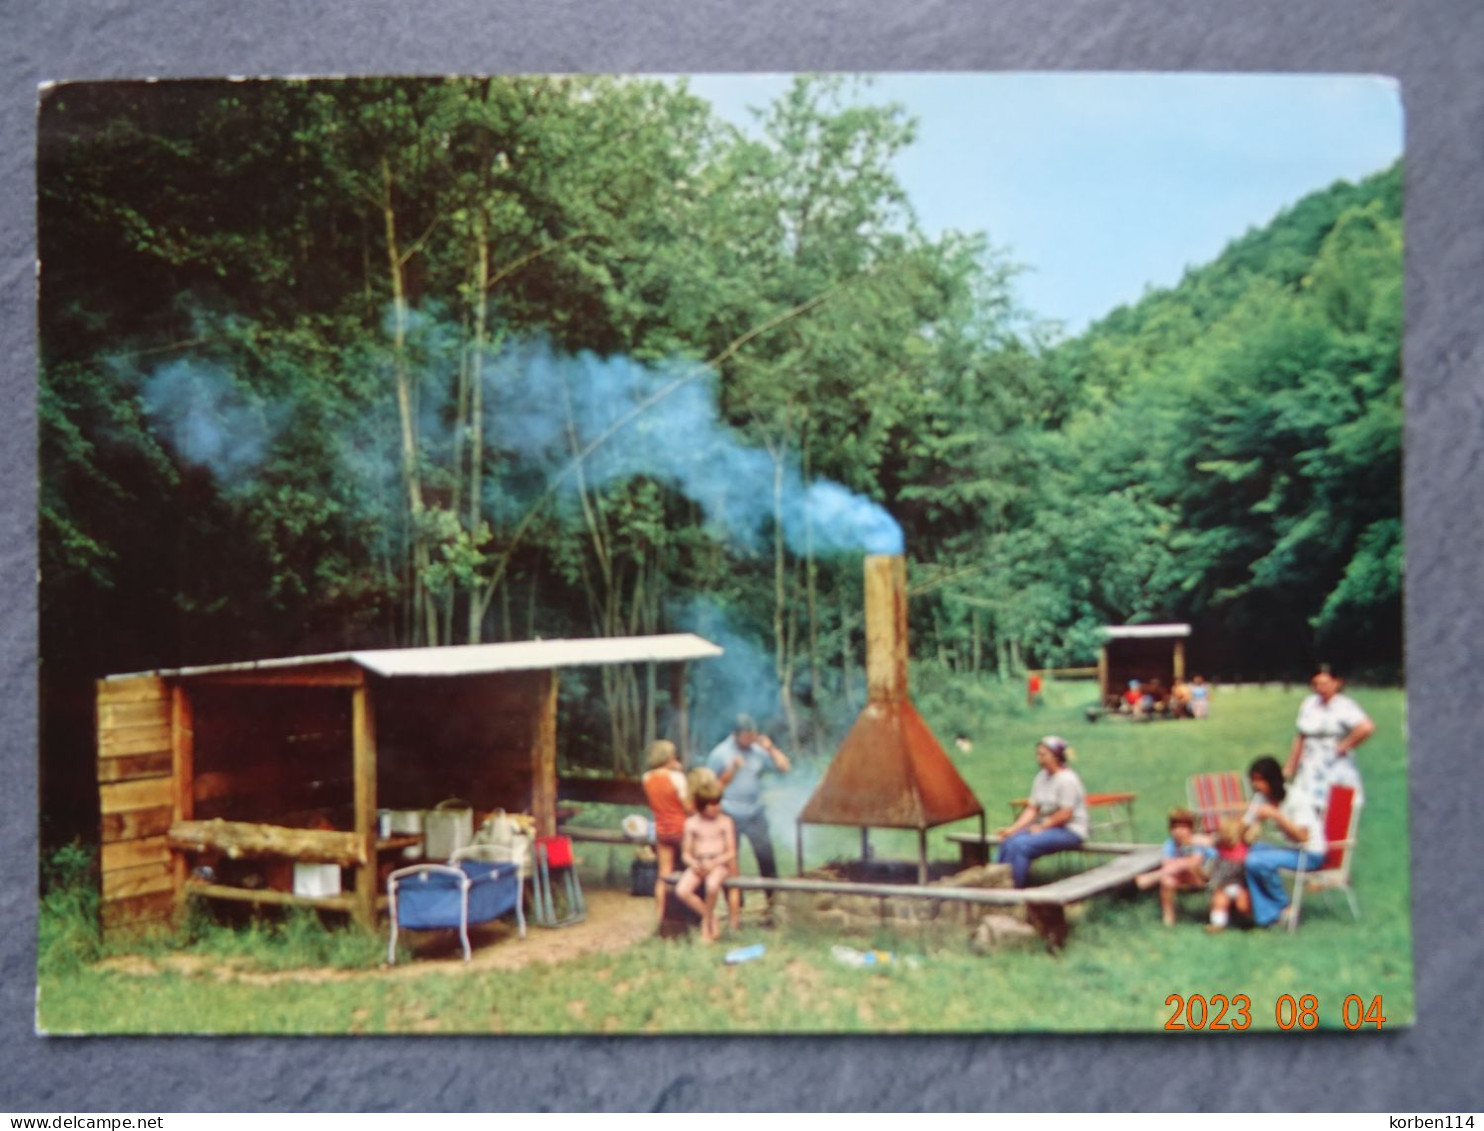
<point x="1296" y="814"/>
<point x="1055" y="817"/>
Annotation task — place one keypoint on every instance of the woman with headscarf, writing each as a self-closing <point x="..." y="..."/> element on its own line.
<point x="1055" y="817"/>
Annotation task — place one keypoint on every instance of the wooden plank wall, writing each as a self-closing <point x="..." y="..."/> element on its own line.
<point x="135" y="792"/>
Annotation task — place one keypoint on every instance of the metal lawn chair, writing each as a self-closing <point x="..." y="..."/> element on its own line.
<point x="1341" y="824"/>
<point x="1213" y="796"/>
<point x="554" y="859"/>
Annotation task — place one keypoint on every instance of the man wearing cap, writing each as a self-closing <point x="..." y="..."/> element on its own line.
<point x="739" y="761"/>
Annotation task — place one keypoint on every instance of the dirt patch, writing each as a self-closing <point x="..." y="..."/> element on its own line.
<point x="615" y="921"/>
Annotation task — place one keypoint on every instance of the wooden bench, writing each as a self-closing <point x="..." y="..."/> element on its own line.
<point x="1045" y="905"/>
<point x="602" y="836"/>
<point x="974" y="849"/>
<point x="1115" y="820"/>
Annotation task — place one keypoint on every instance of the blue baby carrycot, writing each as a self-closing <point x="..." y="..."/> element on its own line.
<point x="451" y="896"/>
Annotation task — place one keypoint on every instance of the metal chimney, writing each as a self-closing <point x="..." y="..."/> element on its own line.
<point x="890" y="772"/>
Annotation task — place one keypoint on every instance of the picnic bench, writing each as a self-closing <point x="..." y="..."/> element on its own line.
<point x="974" y="849"/>
<point x="603" y="836"/>
<point x="1045" y="905"/>
<point x="1120" y="817"/>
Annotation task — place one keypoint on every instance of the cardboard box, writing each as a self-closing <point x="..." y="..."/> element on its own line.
<point x="316" y="879"/>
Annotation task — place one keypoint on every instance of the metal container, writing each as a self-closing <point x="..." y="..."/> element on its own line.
<point x="405" y="821"/>
<point x="447" y="827"/>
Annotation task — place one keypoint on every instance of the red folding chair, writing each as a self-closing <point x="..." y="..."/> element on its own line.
<point x="1341" y="824"/>
<point x="554" y="859"/>
<point x="1213" y="796"/>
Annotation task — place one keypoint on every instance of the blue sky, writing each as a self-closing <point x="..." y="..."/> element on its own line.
<point x="1104" y="184"/>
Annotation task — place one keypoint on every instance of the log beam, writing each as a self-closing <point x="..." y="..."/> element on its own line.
<point x="239" y="839"/>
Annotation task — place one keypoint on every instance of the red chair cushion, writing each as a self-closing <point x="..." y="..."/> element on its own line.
<point x="558" y="851"/>
<point x="1337" y="822"/>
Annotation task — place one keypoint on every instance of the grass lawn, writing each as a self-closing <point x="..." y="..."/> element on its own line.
<point x="1119" y="967"/>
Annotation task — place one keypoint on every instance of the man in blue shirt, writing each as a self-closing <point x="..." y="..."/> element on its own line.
<point x="740" y="760"/>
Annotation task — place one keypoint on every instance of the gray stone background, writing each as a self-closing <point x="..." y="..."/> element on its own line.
<point x="1434" y="47"/>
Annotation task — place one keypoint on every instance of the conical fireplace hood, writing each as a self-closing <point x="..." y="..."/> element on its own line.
<point x="890" y="772"/>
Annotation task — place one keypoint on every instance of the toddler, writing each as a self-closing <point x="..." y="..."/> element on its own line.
<point x="1228" y="874"/>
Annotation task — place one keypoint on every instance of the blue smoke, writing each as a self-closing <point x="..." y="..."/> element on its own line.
<point x="663" y="421"/>
<point x="209" y="421"/>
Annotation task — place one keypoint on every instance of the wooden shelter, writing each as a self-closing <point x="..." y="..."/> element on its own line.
<point x="1140" y="651"/>
<point x="287" y="761"/>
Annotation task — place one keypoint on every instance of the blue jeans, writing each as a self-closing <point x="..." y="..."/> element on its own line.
<point x="1019" y="850"/>
<point x="1265" y="886"/>
<point x="755" y="829"/>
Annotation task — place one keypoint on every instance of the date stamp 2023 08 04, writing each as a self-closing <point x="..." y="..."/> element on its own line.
<point x="1225" y="1013"/>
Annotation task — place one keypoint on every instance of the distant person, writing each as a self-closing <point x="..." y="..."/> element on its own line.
<point x="1033" y="690"/>
<point x="1055" y="817"/>
<point x="669" y="800"/>
<point x="1184" y="858"/>
<point x="739" y="762"/>
<point x="1180" y="699"/>
<point x="708" y="850"/>
<point x="1329" y="728"/>
<point x="1297" y="815"/>
<point x="1200" y="697"/>
<point x="1133" y="698"/>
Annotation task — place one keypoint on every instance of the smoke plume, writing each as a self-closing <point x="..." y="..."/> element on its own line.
<point x="624" y="418"/>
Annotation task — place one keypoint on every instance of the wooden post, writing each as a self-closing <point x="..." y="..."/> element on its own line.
<point x="679" y="680"/>
<point x="922" y="872"/>
<point x="865" y="844"/>
<point x="543" y="755"/>
<point x="1179" y="658"/>
<point x="363" y="752"/>
<point x="799" y="847"/>
<point x="182" y="777"/>
<point x="1102" y="675"/>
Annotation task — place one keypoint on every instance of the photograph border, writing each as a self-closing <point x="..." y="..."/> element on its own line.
<point x="1428" y="46"/>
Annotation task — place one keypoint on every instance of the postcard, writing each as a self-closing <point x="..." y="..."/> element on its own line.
<point x="722" y="554"/>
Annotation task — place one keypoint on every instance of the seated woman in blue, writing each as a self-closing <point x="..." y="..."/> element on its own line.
<point x="1295" y="813"/>
<point x="1055" y="817"/>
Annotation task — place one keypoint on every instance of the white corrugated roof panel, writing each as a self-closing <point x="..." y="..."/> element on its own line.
<point x="530" y="655"/>
<point x="1144" y="631"/>
<point x="477" y="659"/>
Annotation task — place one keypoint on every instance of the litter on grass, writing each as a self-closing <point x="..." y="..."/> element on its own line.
<point x="745" y="954"/>
<point x="849" y="956"/>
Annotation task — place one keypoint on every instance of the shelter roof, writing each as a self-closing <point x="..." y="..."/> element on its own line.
<point x="480" y="659"/>
<point x="1144" y="631"/>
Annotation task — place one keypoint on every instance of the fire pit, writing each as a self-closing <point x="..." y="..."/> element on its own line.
<point x="890" y="772"/>
<point x="864" y="914"/>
